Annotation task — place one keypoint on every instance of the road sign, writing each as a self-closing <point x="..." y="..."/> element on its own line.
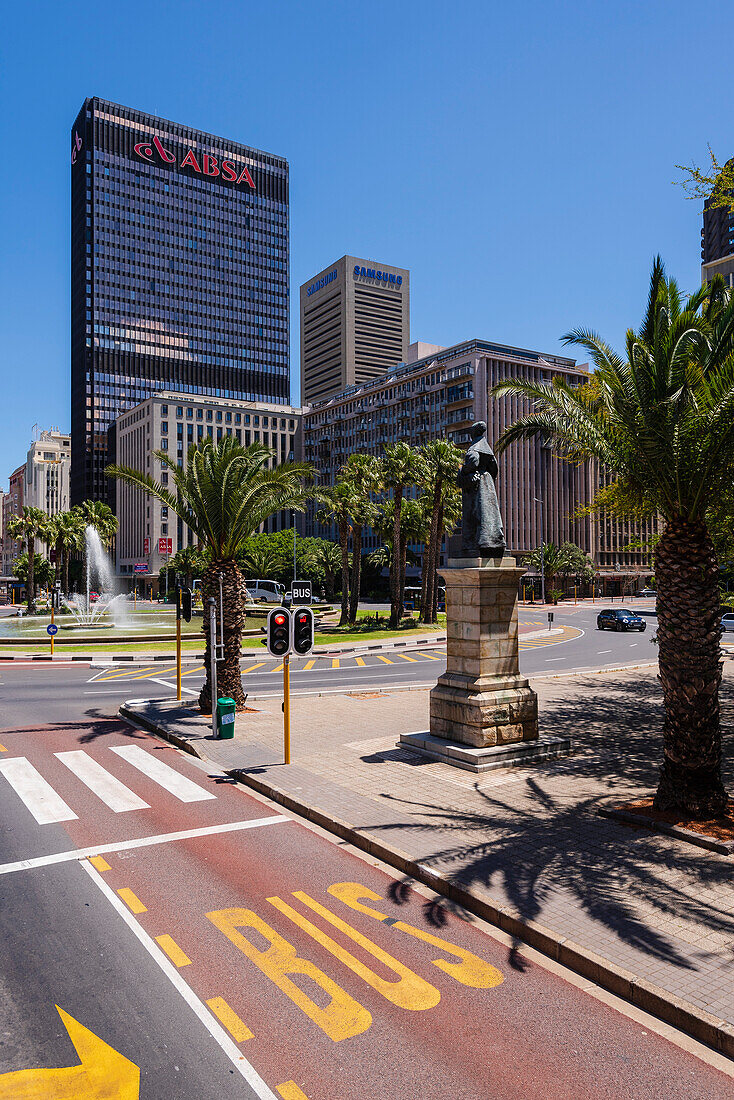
<point x="279" y="632"/>
<point x="146" y="545"/>
<point x="302" y="630"/>
<point x="301" y="591"/>
<point x="140" y="567"/>
<point x="52" y="629"/>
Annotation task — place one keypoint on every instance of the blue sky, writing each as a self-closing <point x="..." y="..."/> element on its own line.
<point x="518" y="158"/>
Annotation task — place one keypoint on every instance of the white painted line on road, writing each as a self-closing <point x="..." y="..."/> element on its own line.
<point x="552" y="660"/>
<point x="106" y="787"/>
<point x="38" y="795"/>
<point x="185" y="790"/>
<point x="602" y="651"/>
<point x="215" y="1029"/>
<point x="165" y="683"/>
<point x="141" y="842"/>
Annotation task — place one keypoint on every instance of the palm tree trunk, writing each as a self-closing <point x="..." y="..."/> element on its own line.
<point x="356" y="572"/>
<point x="429" y="558"/>
<point x="689" y="633"/>
<point x="344" y="543"/>
<point x="395" y="589"/>
<point x="65" y="555"/>
<point x="229" y="680"/>
<point x="31" y="576"/>
<point x="436" y="562"/>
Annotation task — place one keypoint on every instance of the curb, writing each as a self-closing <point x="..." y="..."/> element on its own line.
<point x="703" y="1026"/>
<point x="723" y="847"/>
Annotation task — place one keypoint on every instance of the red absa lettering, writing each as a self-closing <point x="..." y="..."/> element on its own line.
<point x="143" y="149"/>
<point x="191" y="161"/>
<point x="229" y="172"/>
<point x="209" y="165"/>
<point x="245" y="175"/>
<point x="166" y="155"/>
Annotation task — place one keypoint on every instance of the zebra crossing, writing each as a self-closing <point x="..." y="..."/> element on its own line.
<point x="48" y="807"/>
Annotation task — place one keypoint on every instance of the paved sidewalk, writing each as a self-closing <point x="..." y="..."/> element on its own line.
<point x="647" y="916"/>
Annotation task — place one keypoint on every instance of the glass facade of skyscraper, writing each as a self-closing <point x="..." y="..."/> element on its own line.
<point x="179" y="273"/>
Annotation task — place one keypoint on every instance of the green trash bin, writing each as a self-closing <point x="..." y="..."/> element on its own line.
<point x="225" y="717"/>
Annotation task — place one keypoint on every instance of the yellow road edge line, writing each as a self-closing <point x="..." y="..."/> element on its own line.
<point x="405" y="657"/>
<point x="308" y="666"/>
<point x="386" y="660"/>
<point x="99" y="863"/>
<point x="239" y="1031"/>
<point x="335" y="662"/>
<point x="133" y="902"/>
<point x="289" y="1090"/>
<point x="174" y="952"/>
<point x="251" y="668"/>
<point x="359" y="660"/>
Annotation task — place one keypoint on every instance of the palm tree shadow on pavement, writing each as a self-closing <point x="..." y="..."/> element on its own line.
<point x="540" y="846"/>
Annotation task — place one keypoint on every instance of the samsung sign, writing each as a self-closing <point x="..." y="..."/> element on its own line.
<point x="322" y="282"/>
<point x="378" y="276"/>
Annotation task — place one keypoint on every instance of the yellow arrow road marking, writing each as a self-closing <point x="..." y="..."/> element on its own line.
<point x="103" y="1073"/>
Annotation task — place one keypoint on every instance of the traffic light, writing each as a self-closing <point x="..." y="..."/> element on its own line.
<point x="185" y="603"/>
<point x="279" y="632"/>
<point x="303" y="630"/>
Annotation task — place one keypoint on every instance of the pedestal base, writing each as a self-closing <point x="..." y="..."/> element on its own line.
<point x="484" y="712"/>
<point x="490" y="757"/>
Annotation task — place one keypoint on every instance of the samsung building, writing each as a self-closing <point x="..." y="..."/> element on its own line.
<point x="179" y="273"/>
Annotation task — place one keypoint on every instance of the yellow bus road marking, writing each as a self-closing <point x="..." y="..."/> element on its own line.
<point x="308" y="666"/>
<point x="385" y="660"/>
<point x="335" y="662"/>
<point x="359" y="660"/>
<point x="227" y="1016"/>
<point x="133" y="902"/>
<point x="405" y="657"/>
<point x="99" y="863"/>
<point x="174" y="952"/>
<point x="289" y="1090"/>
<point x="251" y="668"/>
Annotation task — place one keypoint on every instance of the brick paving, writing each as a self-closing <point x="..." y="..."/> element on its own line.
<point x="526" y="838"/>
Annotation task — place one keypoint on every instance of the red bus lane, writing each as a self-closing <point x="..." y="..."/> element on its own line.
<point x="334" y="979"/>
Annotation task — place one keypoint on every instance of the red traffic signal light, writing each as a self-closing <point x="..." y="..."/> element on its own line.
<point x="279" y="632"/>
<point x="303" y="630"/>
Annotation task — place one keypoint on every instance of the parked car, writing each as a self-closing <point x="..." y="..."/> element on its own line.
<point x="270" y="591"/>
<point x="647" y="592"/>
<point x="727" y="621"/>
<point x="619" y="619"/>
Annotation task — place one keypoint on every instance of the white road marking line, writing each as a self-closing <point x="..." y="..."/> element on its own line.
<point x="38" y="795"/>
<point x="552" y="660"/>
<point x="155" y="680"/>
<point x="141" y="842"/>
<point x="601" y="651"/>
<point x="176" y="784"/>
<point x="215" y="1029"/>
<point x="106" y="787"/>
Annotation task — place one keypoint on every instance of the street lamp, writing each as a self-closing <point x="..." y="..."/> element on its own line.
<point x="293" y="515"/>
<point x="539" y="500"/>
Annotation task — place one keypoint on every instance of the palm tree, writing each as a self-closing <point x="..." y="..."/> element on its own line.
<point x="99" y="515"/>
<point x="189" y="561"/>
<point x="262" y="561"/>
<point x="361" y="473"/>
<point x="26" y="528"/>
<point x="660" y="420"/>
<point x="224" y="494"/>
<point x="338" y="502"/>
<point x="440" y="464"/>
<point x="399" y="468"/>
<point x="69" y="537"/>
<point x="325" y="555"/>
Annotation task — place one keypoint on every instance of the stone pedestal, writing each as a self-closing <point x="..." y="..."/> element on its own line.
<point x="483" y="712"/>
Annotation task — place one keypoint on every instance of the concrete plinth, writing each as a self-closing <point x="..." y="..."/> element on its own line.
<point x="489" y="758"/>
<point x="481" y="700"/>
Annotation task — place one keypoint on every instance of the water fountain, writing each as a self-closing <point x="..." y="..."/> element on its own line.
<point x="99" y="572"/>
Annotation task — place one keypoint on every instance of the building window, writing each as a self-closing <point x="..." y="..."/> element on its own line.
<point x="179" y="410"/>
<point x="208" y="414"/>
<point x="228" y="417"/>
<point x="219" y="417"/>
<point x="164" y="426"/>
<point x="164" y="444"/>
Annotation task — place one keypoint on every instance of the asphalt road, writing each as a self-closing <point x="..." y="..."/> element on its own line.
<point x="215" y="947"/>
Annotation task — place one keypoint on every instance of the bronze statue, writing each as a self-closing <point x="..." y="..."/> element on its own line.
<point x="482" y="533"/>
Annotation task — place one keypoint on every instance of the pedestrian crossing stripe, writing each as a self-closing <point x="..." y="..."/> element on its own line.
<point x="48" y="807"/>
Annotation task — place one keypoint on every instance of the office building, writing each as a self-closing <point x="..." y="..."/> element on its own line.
<point x="12" y="506"/>
<point x="355" y="325"/>
<point x="717" y="243"/>
<point x="179" y="273"/>
<point x="47" y="473"/>
<point x="171" y="421"/>
<point x="438" y="396"/>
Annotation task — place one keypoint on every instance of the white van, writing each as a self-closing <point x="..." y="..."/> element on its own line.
<point x="270" y="591"/>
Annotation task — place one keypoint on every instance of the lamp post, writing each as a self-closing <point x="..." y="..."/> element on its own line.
<point x="293" y="516"/>
<point x="539" y="500"/>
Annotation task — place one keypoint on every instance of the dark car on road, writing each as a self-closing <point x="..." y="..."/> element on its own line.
<point x="619" y="619"/>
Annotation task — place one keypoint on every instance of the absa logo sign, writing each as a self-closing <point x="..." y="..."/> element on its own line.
<point x="210" y="166"/>
<point x="75" y="147"/>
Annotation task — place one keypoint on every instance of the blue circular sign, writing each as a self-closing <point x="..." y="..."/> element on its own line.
<point x="52" y="629"/>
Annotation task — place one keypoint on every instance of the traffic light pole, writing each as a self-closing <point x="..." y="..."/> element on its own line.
<point x="287" y="708"/>
<point x="213" y="655"/>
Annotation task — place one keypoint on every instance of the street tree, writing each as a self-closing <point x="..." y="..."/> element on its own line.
<point x="660" y="419"/>
<point x="69" y="531"/>
<point x="337" y="504"/>
<point x="100" y="516"/>
<point x="361" y="473"/>
<point x="440" y="463"/>
<point x="224" y="493"/>
<point x="399" y="469"/>
<point x="26" y="528"/>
